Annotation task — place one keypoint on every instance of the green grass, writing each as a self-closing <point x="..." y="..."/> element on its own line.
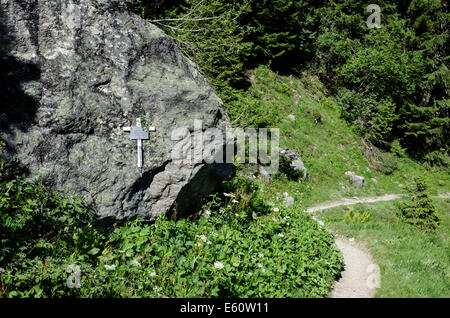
<point x="328" y="150"/>
<point x="412" y="263"/>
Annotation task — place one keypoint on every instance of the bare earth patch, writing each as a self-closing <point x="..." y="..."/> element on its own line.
<point x="357" y="278"/>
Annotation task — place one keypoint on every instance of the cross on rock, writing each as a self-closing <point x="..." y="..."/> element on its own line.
<point x="139" y="134"/>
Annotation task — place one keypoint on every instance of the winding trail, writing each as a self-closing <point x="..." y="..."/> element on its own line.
<point x="360" y="275"/>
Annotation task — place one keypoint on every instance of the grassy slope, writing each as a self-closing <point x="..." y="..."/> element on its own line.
<point x="331" y="149"/>
<point x="328" y="151"/>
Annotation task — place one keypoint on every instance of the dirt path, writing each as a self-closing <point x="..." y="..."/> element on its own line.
<point x="361" y="275"/>
<point x="346" y="201"/>
<point x="355" y="200"/>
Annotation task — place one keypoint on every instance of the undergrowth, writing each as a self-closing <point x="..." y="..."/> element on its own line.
<point x="236" y="246"/>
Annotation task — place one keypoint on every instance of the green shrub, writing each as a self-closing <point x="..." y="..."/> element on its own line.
<point x="357" y="217"/>
<point x="421" y="211"/>
<point x="388" y="163"/>
<point x="397" y="149"/>
<point x="234" y="247"/>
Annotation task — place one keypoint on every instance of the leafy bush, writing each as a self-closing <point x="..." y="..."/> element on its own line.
<point x="388" y="163"/>
<point x="40" y="235"/>
<point x="234" y="247"/>
<point x="357" y="217"/>
<point x="421" y="211"/>
<point x="397" y="149"/>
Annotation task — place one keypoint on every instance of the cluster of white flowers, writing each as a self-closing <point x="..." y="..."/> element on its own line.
<point x="261" y="255"/>
<point x="276" y="210"/>
<point x="235" y="201"/>
<point x="229" y="195"/>
<point x="218" y="265"/>
<point x="281" y="235"/>
<point x="152" y="274"/>
<point x="260" y="265"/>
<point x="204" y="239"/>
<point x="208" y="213"/>
<point x="135" y="263"/>
<point x="110" y="267"/>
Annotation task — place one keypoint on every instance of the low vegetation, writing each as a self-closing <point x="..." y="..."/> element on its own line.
<point x="237" y="246"/>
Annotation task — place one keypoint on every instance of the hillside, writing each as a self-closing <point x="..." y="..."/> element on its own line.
<point x="328" y="151"/>
<point x="331" y="148"/>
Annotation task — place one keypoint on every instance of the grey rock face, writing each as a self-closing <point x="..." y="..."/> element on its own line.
<point x="74" y="73"/>
<point x="292" y="165"/>
<point x="357" y="181"/>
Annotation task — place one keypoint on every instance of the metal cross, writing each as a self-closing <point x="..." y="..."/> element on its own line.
<point x="139" y="134"/>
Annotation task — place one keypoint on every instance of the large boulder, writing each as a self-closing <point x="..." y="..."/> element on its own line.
<point x="356" y="180"/>
<point x="74" y="73"/>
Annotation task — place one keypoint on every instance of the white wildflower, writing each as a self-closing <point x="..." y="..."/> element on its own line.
<point x="321" y="223"/>
<point x="260" y="265"/>
<point x="202" y="237"/>
<point x="351" y="239"/>
<point x="286" y="217"/>
<point x="281" y="235"/>
<point x="235" y="201"/>
<point x="152" y="274"/>
<point x="135" y="263"/>
<point x="218" y="265"/>
<point x="276" y="210"/>
<point x="229" y="195"/>
<point x="110" y="267"/>
<point x="208" y="213"/>
<point x="261" y="255"/>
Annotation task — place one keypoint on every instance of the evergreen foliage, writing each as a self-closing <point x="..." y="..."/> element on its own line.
<point x="392" y="82"/>
<point x="421" y="211"/>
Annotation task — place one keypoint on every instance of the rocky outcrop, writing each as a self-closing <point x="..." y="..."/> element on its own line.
<point x="292" y="165"/>
<point x="356" y="180"/>
<point x="74" y="73"/>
